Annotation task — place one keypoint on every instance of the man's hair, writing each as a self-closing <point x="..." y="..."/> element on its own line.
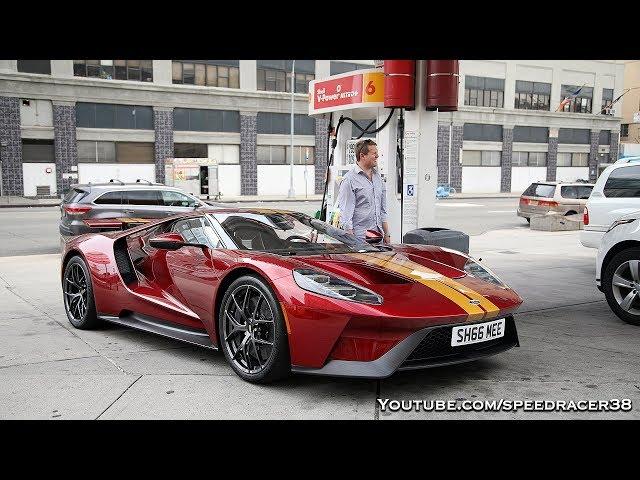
<point x="362" y="147"/>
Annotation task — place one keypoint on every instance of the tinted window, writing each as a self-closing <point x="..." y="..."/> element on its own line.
<point x="75" y="195"/>
<point x="176" y="199"/>
<point x="35" y="66"/>
<point x="584" y="191"/>
<point x="569" y="192"/>
<point x="530" y="134"/>
<point x="197" y="230"/>
<point x="479" y="131"/>
<point x="190" y="150"/>
<point x="142" y="197"/>
<point x="38" y="151"/>
<point x="623" y="182"/>
<point x="109" y="198"/>
<point x="540" y="190"/>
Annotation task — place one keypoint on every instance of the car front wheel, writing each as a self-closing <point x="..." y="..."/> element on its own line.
<point x="252" y="331"/>
<point x="621" y="285"/>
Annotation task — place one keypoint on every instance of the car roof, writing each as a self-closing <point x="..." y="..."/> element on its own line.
<point x="125" y="186"/>
<point x="562" y="183"/>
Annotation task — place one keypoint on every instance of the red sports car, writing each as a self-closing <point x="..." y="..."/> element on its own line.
<point x="279" y="291"/>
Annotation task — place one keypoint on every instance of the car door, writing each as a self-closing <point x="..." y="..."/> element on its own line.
<point x="620" y="195"/>
<point x="569" y="202"/>
<point x="142" y="203"/>
<point x="196" y="271"/>
<point x="107" y="205"/>
<point x="176" y="202"/>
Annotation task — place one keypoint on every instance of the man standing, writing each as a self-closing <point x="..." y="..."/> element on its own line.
<point x="363" y="195"/>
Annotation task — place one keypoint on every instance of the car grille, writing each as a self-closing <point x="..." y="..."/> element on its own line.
<point x="436" y="347"/>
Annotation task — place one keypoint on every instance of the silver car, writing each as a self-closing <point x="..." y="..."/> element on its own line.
<point x="542" y="198"/>
<point x="110" y="206"/>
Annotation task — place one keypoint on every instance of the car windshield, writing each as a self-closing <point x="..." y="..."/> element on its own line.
<point x="288" y="233"/>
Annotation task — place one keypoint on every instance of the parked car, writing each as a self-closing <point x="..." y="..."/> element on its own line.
<point x="280" y="291"/>
<point x="98" y="207"/>
<point x="541" y="198"/>
<point x="618" y="267"/>
<point x="616" y="193"/>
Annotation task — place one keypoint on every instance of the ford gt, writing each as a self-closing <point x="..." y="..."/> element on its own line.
<point x="281" y="292"/>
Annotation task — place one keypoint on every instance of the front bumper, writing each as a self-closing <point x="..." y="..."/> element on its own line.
<point x="426" y="348"/>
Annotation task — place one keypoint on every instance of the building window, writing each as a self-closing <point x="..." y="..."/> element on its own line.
<point x="138" y="70"/>
<point x="190" y="150"/>
<point x="607" y="98"/>
<point x="481" y="158"/>
<point x="280" y="123"/>
<point x="574" y="135"/>
<point x="35" y="66"/>
<point x="199" y="120"/>
<point x="271" y="155"/>
<point x="38" y="151"/>
<point x="483" y="91"/>
<point x="624" y="130"/>
<point x="530" y="134"/>
<point x="281" y="155"/>
<point x="275" y="75"/>
<point x="344" y="67"/>
<point x="482" y="132"/>
<point x="572" y="159"/>
<point x="209" y="73"/>
<point x="529" y="159"/>
<point x="532" y="95"/>
<point x="106" y="115"/>
<point x="604" y="137"/>
<point x="582" y="103"/>
<point x="115" y="152"/>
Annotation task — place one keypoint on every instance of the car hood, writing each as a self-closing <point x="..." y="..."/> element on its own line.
<point x="389" y="273"/>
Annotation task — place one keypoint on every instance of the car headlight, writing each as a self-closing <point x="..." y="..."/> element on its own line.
<point x="474" y="269"/>
<point x="330" y="286"/>
<point x="620" y="222"/>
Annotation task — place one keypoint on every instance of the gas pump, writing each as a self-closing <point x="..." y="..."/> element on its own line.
<point x="404" y="96"/>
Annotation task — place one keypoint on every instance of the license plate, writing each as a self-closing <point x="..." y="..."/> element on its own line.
<point x="477" y="333"/>
<point x="533" y="202"/>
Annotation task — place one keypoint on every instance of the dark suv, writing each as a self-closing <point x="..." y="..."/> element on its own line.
<point x="84" y="204"/>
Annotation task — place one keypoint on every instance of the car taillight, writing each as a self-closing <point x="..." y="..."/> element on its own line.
<point x="547" y="203"/>
<point x="585" y="216"/>
<point x="76" y="209"/>
<point x="524" y="201"/>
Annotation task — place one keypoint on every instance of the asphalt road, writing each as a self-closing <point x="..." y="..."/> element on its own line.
<point x="33" y="231"/>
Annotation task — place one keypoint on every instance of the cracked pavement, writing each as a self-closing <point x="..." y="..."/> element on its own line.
<point x="572" y="348"/>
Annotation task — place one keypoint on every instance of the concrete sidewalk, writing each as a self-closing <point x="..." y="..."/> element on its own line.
<point x="571" y="348"/>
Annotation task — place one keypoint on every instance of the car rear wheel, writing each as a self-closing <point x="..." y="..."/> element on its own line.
<point x="77" y="291"/>
<point x="621" y="285"/>
<point x="252" y="331"/>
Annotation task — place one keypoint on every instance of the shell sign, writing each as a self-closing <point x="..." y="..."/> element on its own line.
<point x="362" y="88"/>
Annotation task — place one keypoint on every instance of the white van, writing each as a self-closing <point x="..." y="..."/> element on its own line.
<point x="616" y="193"/>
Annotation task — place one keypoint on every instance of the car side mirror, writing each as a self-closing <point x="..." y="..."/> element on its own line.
<point x="170" y="241"/>
<point x="372" y="236"/>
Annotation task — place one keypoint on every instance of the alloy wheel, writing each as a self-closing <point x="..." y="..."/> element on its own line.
<point x="248" y="329"/>
<point x="75" y="292"/>
<point x="626" y="286"/>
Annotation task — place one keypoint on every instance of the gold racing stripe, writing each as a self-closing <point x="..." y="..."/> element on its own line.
<point x="446" y="286"/>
